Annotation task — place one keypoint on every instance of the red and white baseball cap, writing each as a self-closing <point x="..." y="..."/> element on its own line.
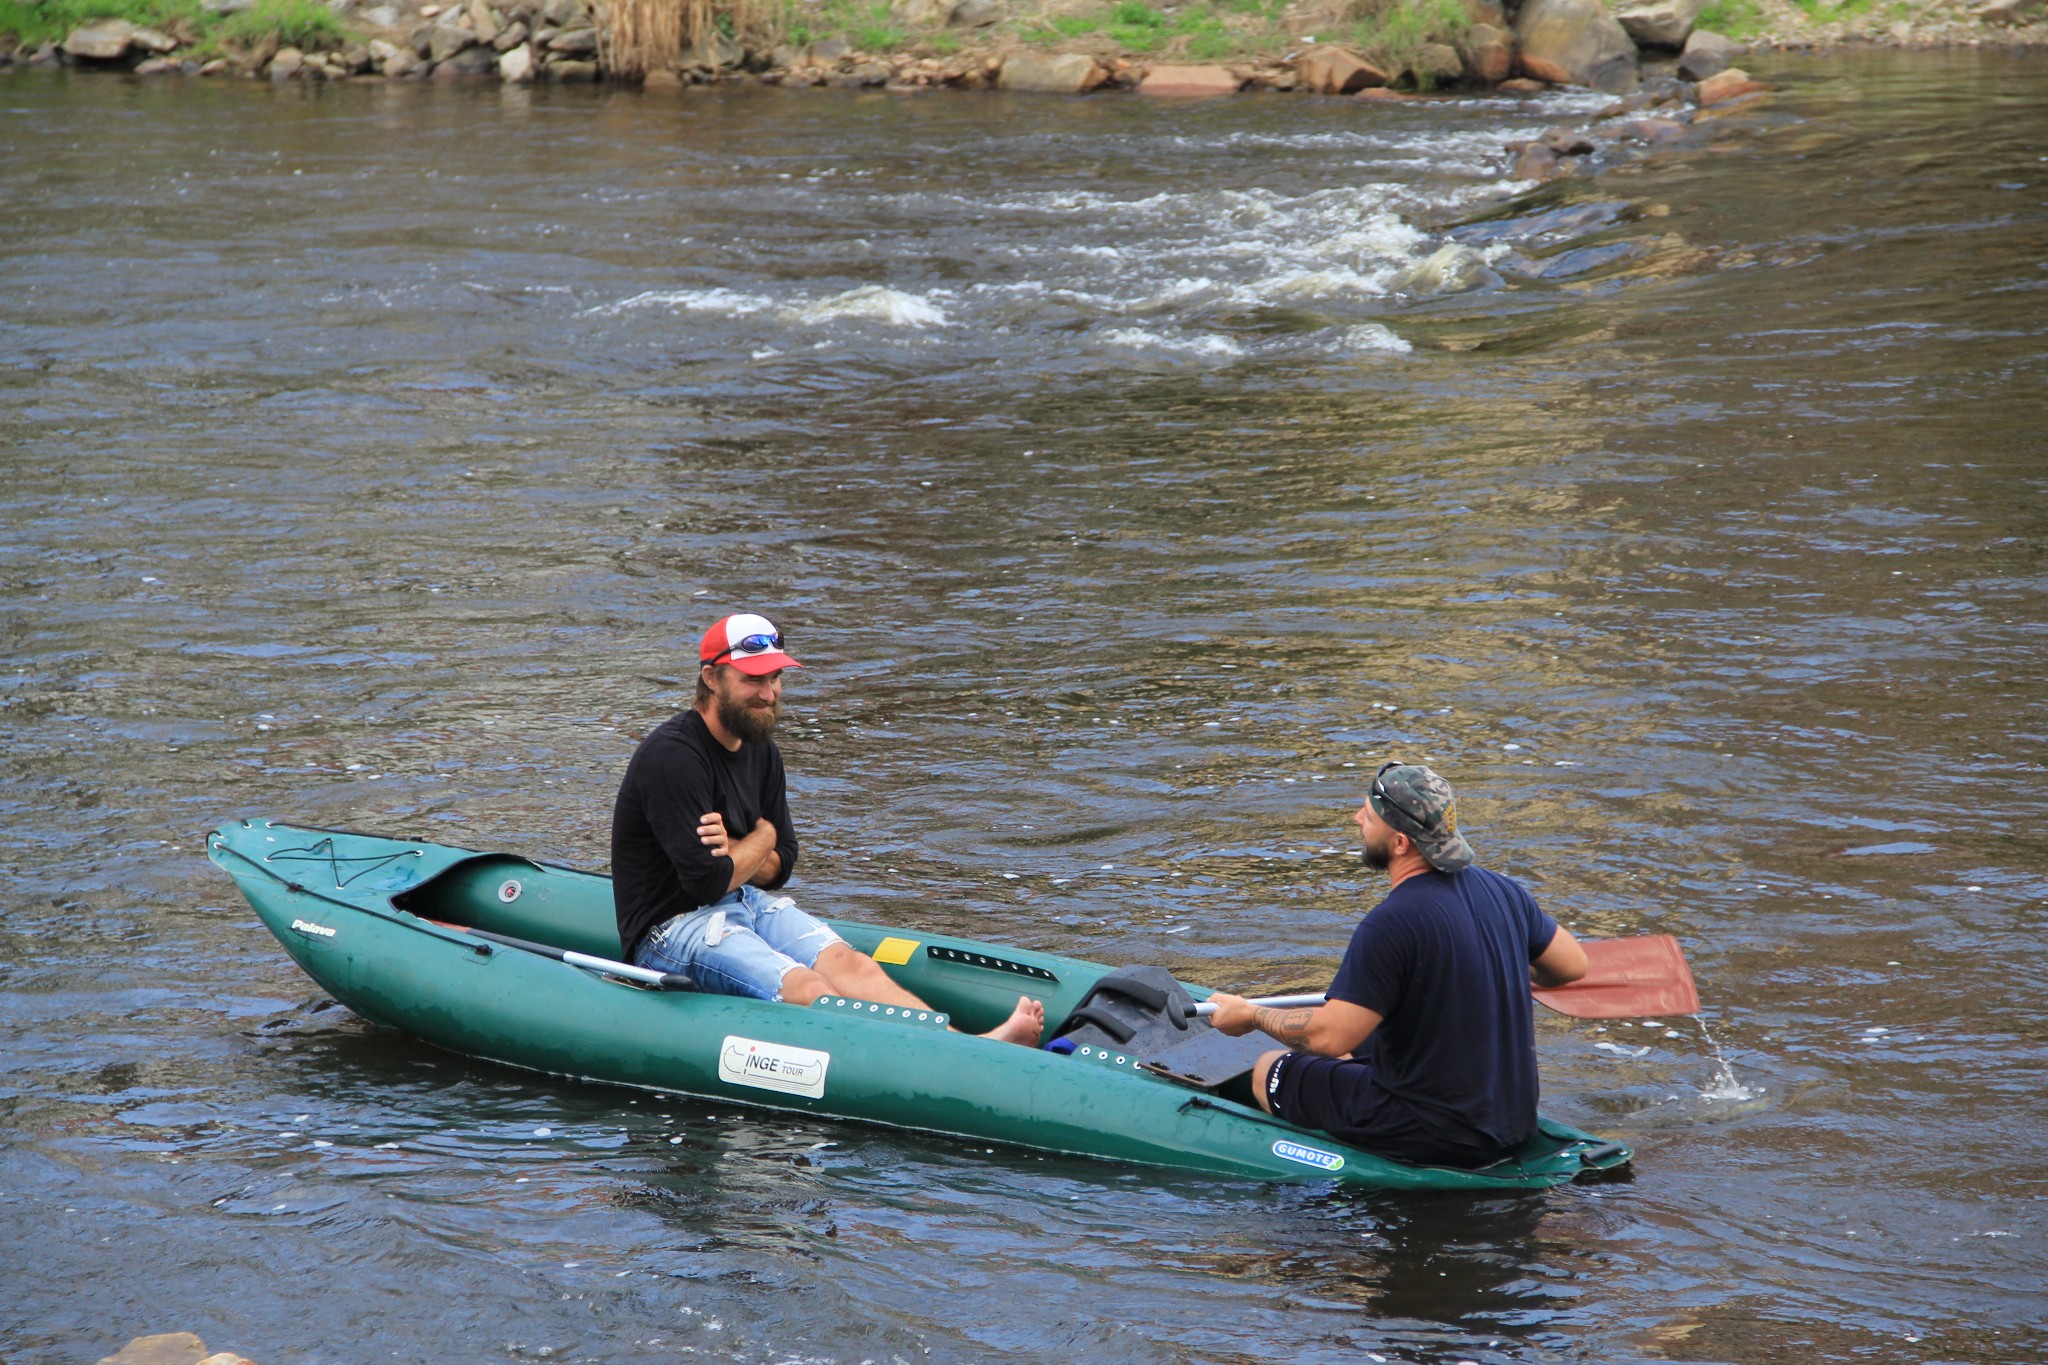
<point x="748" y="642"/>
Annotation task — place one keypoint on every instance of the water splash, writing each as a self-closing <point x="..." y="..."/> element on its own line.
<point x="1723" y="1085"/>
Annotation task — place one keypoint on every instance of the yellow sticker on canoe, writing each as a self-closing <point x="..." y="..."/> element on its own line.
<point x="894" y="951"/>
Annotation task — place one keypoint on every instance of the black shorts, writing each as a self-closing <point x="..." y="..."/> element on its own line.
<point x="1342" y="1098"/>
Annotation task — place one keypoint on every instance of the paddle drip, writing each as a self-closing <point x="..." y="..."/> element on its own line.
<point x="1723" y="1086"/>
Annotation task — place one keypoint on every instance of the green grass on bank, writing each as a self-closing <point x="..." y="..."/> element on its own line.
<point x="295" y="23"/>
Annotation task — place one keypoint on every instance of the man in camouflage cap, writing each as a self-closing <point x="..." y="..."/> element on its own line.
<point x="1425" y="1046"/>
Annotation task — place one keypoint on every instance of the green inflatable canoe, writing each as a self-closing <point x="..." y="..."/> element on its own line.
<point x="393" y="929"/>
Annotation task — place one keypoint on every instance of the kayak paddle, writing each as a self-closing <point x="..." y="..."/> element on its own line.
<point x="1626" y="978"/>
<point x="646" y="976"/>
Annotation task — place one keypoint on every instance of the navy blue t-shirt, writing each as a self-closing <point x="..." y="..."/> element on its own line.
<point x="1444" y="960"/>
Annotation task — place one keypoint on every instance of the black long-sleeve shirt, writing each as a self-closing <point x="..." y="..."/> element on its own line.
<point x="679" y="774"/>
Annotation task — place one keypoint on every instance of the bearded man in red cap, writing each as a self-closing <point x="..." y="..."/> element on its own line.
<point x="701" y="834"/>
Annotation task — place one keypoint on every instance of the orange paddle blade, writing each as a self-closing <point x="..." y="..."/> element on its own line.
<point x="1627" y="978"/>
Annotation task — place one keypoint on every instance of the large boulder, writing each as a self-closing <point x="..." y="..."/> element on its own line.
<point x="1664" y="24"/>
<point x="1489" y="53"/>
<point x="1706" y="53"/>
<point x="1188" y="80"/>
<point x="1064" y="73"/>
<point x="1436" y="64"/>
<point x="1576" y="42"/>
<point x="106" y="41"/>
<point x="1337" y="71"/>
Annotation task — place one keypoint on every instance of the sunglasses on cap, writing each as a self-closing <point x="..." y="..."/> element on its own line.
<point x="1379" y="789"/>
<point x="747" y="644"/>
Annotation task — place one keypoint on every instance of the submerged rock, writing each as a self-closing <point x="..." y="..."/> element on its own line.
<point x="1450" y="269"/>
<point x="1576" y="42"/>
<point x="1066" y="73"/>
<point x="1731" y="84"/>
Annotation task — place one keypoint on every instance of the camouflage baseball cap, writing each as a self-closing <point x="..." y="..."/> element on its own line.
<point x="1416" y="802"/>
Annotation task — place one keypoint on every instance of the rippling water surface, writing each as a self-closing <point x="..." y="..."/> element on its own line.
<point x="372" y="455"/>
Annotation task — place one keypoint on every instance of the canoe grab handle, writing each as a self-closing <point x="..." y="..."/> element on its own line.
<point x="940" y="953"/>
<point x="1602" y="1152"/>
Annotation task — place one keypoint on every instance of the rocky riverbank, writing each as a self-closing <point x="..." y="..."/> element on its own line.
<point x="1061" y="46"/>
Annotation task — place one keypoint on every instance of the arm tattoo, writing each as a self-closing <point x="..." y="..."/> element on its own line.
<point x="1289" y="1026"/>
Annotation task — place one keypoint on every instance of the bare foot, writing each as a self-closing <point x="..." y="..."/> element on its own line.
<point x="1023" y="1026"/>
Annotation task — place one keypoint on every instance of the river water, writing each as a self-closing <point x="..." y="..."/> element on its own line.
<point x="372" y="455"/>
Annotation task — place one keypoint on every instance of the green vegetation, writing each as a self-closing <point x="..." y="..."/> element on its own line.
<point x="295" y="23"/>
<point x="1732" y="18"/>
<point x="1393" y="32"/>
<point x="298" y="23"/>
<point x="1835" y="9"/>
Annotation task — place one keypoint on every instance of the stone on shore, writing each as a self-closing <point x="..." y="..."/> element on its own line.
<point x="1450" y="269"/>
<point x="2009" y="12"/>
<point x="471" y="61"/>
<point x="511" y="36"/>
<point x="920" y="13"/>
<point x="975" y="14"/>
<point x="288" y="62"/>
<point x="661" y="78"/>
<point x="153" y="40"/>
<point x="1065" y="73"/>
<point x="484" y="22"/>
<point x="516" y="65"/>
<point x="1576" y="42"/>
<point x="575" y="42"/>
<point x="1436" y="64"/>
<point x="1188" y="81"/>
<point x="447" y="39"/>
<point x="1706" y="53"/>
<point x="1489" y="53"/>
<point x="106" y="41"/>
<point x="1337" y="71"/>
<point x="572" y="73"/>
<point x="159" y="66"/>
<point x="1664" y="24"/>
<point x="1731" y="84"/>
<point x="1379" y="94"/>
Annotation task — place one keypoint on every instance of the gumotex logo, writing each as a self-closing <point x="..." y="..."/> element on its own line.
<point x="1307" y="1156"/>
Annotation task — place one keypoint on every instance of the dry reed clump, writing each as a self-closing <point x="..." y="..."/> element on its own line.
<point x="639" y="36"/>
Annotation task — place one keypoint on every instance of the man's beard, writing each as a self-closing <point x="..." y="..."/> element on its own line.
<point x="753" y="725"/>
<point x="1381" y="858"/>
